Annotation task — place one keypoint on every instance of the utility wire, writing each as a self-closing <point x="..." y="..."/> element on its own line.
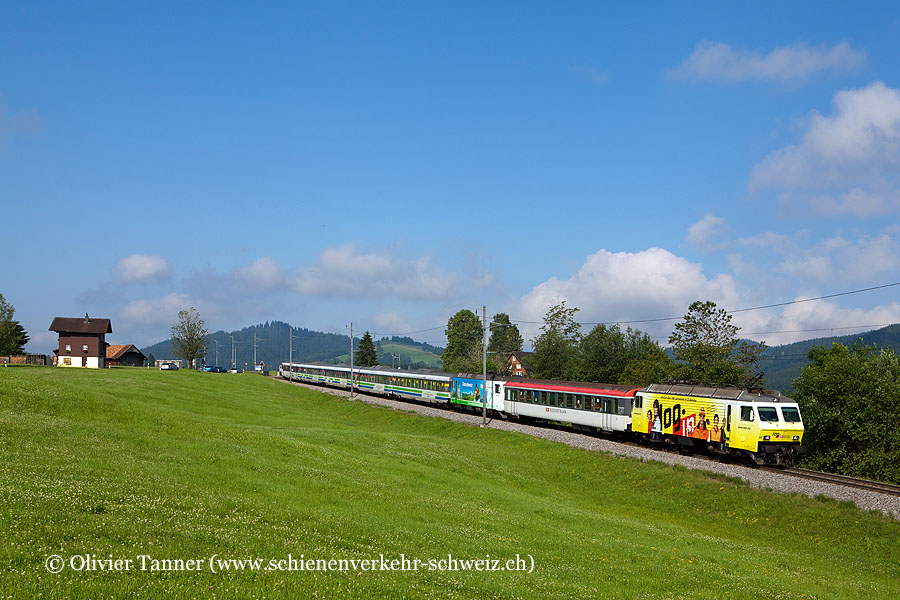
<point x="733" y="311"/>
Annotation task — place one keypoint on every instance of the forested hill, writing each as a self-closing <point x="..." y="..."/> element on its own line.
<point x="273" y="347"/>
<point x="783" y="363"/>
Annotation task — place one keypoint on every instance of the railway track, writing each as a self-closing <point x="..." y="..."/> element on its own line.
<point x="841" y="480"/>
<point x="853" y="482"/>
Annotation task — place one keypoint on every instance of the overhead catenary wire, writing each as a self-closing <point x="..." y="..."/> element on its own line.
<point x="732" y="311"/>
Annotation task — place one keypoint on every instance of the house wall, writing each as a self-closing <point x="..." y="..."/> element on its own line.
<point x="95" y="355"/>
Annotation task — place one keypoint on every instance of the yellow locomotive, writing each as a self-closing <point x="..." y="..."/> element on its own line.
<point x="764" y="426"/>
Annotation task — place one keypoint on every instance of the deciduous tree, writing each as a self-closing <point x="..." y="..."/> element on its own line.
<point x="848" y="401"/>
<point x="556" y="348"/>
<point x="706" y="344"/>
<point x="190" y="339"/>
<point x="505" y="338"/>
<point x="464" y="339"/>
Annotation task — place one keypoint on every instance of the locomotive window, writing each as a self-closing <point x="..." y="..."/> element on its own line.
<point x="790" y="414"/>
<point x="746" y="413"/>
<point x="638" y="401"/>
<point x="768" y="414"/>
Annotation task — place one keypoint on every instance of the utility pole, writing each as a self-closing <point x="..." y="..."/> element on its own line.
<point x="351" y="360"/>
<point x="217" y="351"/>
<point x="254" y="348"/>
<point x="484" y="388"/>
<point x="233" y="364"/>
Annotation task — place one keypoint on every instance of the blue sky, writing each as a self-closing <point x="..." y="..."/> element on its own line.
<point x="391" y="163"/>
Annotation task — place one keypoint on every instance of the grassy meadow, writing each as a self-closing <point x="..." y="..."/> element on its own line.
<point x="185" y="465"/>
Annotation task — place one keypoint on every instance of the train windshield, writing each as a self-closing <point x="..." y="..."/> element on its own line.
<point x="768" y="414"/>
<point x="791" y="414"/>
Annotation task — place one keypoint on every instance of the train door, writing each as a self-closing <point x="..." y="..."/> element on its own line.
<point x="496" y="395"/>
<point x="728" y="424"/>
<point x="606" y="417"/>
<point x="510" y="405"/>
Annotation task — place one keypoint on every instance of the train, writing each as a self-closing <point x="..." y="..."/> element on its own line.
<point x="760" y="426"/>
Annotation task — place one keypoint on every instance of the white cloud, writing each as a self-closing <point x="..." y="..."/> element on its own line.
<point x="342" y="272"/>
<point x="816" y="318"/>
<point x="832" y="260"/>
<point x="156" y="311"/>
<point x="718" y="62"/>
<point x="625" y="286"/>
<point x="847" y="163"/>
<point x="141" y="268"/>
<point x="706" y="234"/>
<point x="389" y="323"/>
<point x="263" y="275"/>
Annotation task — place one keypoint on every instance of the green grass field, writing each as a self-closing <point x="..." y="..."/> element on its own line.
<point x="185" y="465"/>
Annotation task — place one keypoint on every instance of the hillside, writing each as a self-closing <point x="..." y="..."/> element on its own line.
<point x="186" y="465"/>
<point x="403" y="352"/>
<point x="782" y="364"/>
<point x="273" y="347"/>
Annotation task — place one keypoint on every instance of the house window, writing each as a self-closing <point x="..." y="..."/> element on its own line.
<point x="84" y="347"/>
<point x="67" y="361"/>
<point x="68" y="347"/>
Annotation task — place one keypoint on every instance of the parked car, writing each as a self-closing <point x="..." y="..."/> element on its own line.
<point x="168" y="366"/>
<point x="236" y="371"/>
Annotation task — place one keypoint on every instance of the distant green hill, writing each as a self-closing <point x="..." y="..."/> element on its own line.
<point x="404" y="351"/>
<point x="273" y="348"/>
<point x="782" y="364"/>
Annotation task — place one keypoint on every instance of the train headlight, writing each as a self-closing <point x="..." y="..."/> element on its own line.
<point x="766" y="438"/>
<point x="796" y="438"/>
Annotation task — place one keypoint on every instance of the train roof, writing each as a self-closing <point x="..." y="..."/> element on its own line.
<point x="725" y="393"/>
<point x="573" y="386"/>
<point x="380" y="370"/>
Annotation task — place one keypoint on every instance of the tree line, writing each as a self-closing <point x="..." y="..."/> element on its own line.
<point x="705" y="349"/>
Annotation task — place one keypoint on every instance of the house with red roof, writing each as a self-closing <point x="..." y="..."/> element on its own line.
<point x="127" y="355"/>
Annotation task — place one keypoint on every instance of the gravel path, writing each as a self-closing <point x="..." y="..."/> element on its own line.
<point x="866" y="500"/>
